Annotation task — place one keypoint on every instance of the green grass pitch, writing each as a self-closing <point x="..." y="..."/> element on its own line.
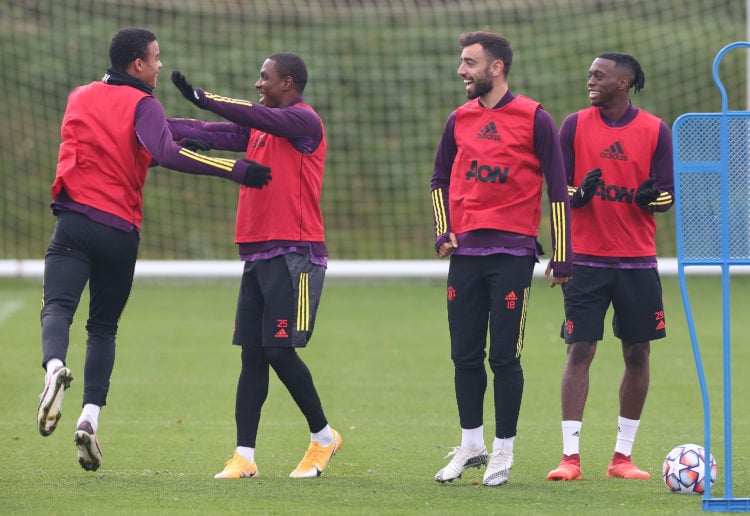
<point x="380" y="358"/>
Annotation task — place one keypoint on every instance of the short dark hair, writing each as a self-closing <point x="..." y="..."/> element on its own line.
<point x="291" y="65"/>
<point x="128" y="45"/>
<point x="494" y="45"/>
<point x="637" y="77"/>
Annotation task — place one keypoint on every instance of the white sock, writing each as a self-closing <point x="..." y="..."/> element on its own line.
<point x="571" y="433"/>
<point x="504" y="446"/>
<point x="472" y="438"/>
<point x="90" y="413"/>
<point x="324" y="437"/>
<point x="52" y="364"/>
<point x="247" y="452"/>
<point x="626" y="429"/>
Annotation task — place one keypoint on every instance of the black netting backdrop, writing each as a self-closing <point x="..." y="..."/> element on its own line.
<point x="382" y="76"/>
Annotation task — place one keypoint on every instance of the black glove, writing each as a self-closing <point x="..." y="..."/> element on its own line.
<point x="186" y="88"/>
<point x="194" y="144"/>
<point x="250" y="173"/>
<point x="646" y="193"/>
<point x="589" y="185"/>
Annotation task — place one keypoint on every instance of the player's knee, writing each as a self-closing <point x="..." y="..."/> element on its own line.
<point x="581" y="354"/>
<point x="636" y="355"/>
<point x="506" y="367"/>
<point x="468" y="362"/>
<point x="280" y="356"/>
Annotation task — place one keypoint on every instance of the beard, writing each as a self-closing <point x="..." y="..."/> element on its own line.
<point x="482" y="86"/>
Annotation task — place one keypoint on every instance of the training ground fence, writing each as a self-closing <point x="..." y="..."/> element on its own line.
<point x="382" y="76"/>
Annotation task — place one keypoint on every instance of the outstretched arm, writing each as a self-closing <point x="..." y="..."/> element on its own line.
<point x="153" y="133"/>
<point x="226" y="136"/>
<point x="294" y="122"/>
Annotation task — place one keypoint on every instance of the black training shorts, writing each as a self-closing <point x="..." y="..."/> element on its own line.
<point x="635" y="295"/>
<point x="278" y="301"/>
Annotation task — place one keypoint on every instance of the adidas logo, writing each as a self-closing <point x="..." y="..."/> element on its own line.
<point x="281" y="334"/>
<point x="614" y="151"/>
<point x="661" y="325"/>
<point x="489" y="132"/>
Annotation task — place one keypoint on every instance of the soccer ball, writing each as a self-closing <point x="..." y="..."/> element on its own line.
<point x="684" y="469"/>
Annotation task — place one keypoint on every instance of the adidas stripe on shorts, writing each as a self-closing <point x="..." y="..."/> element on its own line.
<point x="278" y="301"/>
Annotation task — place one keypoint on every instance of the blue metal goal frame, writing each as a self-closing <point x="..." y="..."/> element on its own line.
<point x="718" y="253"/>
